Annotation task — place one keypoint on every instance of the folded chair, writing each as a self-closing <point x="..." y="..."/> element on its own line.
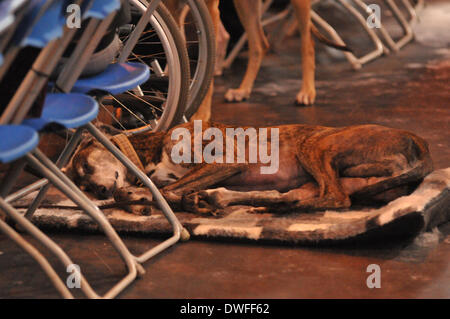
<point x="38" y="161"/>
<point x="117" y="78"/>
<point x="82" y="110"/>
<point x="27" y="15"/>
<point x="87" y="110"/>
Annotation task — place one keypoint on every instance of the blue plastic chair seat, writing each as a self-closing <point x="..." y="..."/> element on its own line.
<point x="70" y="110"/>
<point x="16" y="141"/>
<point x="49" y="27"/>
<point x="116" y="78"/>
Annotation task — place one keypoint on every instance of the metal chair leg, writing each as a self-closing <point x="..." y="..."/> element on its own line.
<point x="409" y="35"/>
<point x="411" y="11"/>
<point x="11" y="176"/>
<point x="379" y="47"/>
<point x="40" y="162"/>
<point x="382" y="29"/>
<point x="62" y="160"/>
<point x="47" y="242"/>
<point x="179" y="232"/>
<point x="34" y="253"/>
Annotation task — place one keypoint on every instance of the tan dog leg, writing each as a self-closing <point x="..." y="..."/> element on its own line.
<point x="204" y="111"/>
<point x="304" y="197"/>
<point x="249" y="12"/>
<point x="222" y="39"/>
<point x="307" y="94"/>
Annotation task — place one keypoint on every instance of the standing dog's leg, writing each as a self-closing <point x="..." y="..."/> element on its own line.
<point x="204" y="111"/>
<point x="307" y="94"/>
<point x="222" y="38"/>
<point x="249" y="12"/>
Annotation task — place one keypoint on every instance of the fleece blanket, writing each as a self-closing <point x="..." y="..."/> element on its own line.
<point x="425" y="208"/>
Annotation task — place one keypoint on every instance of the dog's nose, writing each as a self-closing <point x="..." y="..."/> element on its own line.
<point x="104" y="192"/>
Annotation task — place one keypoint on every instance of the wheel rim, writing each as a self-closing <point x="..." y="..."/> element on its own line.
<point x="164" y="109"/>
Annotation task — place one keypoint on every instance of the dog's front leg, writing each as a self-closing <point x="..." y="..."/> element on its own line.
<point x="200" y="178"/>
<point x="249" y="12"/>
<point x="307" y="94"/>
<point x="303" y="198"/>
<point x="220" y="198"/>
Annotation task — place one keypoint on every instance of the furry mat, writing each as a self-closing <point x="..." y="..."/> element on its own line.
<point x="427" y="207"/>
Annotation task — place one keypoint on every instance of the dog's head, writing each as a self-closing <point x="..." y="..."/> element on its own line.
<point x="96" y="170"/>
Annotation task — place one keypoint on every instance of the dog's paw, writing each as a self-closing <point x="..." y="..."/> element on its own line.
<point x="197" y="203"/>
<point x="130" y="197"/>
<point x="237" y="95"/>
<point x="306" y="97"/>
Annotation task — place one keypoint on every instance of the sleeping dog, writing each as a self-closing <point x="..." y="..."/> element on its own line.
<point x="299" y="167"/>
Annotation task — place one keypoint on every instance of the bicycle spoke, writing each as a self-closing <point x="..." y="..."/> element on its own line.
<point x="145" y="102"/>
<point x="130" y="111"/>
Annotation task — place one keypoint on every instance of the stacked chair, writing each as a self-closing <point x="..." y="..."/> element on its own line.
<point x="68" y="105"/>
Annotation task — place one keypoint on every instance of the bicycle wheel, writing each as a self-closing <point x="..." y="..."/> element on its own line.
<point x="198" y="28"/>
<point x="159" y="103"/>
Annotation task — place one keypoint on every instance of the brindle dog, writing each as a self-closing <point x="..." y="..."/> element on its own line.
<point x="319" y="168"/>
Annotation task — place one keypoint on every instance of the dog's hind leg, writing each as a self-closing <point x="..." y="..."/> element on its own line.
<point x="307" y="94"/>
<point x="319" y="162"/>
<point x="249" y="12"/>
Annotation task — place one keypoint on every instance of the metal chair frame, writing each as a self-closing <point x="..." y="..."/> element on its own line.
<point x="16" y="111"/>
<point x="408" y="32"/>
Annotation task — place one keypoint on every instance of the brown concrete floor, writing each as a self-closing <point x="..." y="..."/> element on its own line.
<point x="406" y="90"/>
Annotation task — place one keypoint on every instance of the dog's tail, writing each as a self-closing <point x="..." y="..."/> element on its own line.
<point x="319" y="36"/>
<point x="418" y="155"/>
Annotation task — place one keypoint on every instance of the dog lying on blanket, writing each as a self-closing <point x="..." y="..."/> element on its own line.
<point x="318" y="167"/>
